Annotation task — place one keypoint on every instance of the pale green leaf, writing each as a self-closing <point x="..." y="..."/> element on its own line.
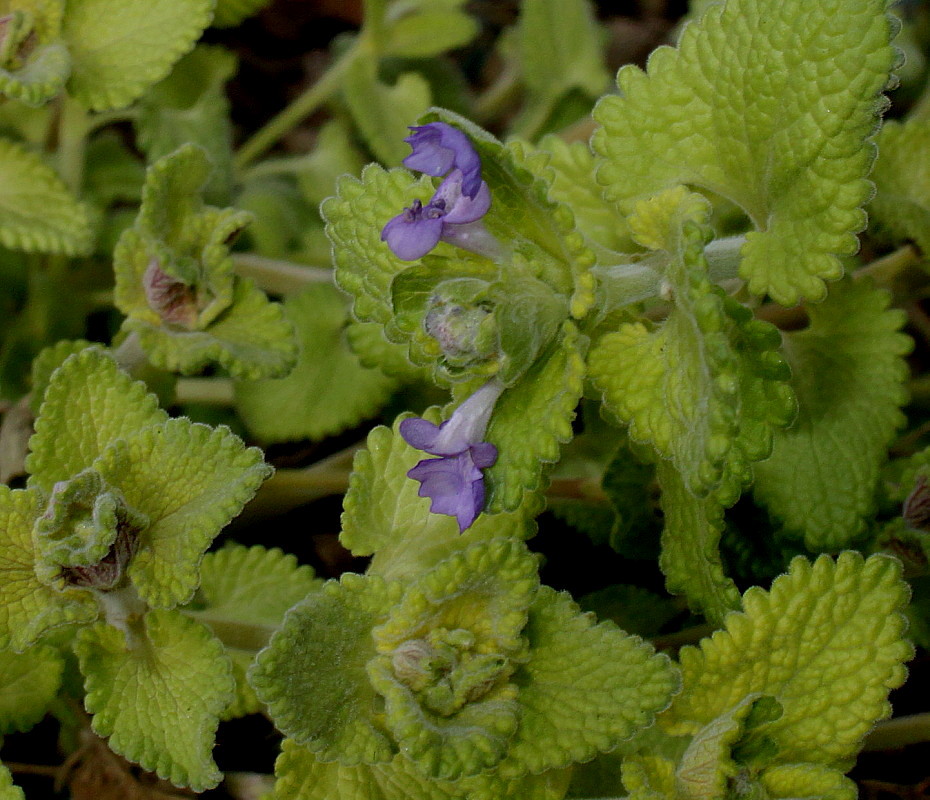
<point x="328" y="391"/>
<point x="836" y="626"/>
<point x="45" y="363"/>
<point x="190" y="480"/>
<point x="158" y="696"/>
<point x="190" y="105"/>
<point x="248" y="586"/>
<point x="313" y="678"/>
<point x="848" y="374"/>
<point x="807" y="780"/>
<point x="7" y="790"/>
<point x="367" y="341"/>
<point x="427" y="29"/>
<point x="29" y="608"/>
<point x="40" y="78"/>
<point x="902" y="180"/>
<point x="585" y="687"/>
<point x="385" y="516"/>
<point x="89" y="403"/>
<point x="118" y="50"/>
<point x="29" y="682"/>
<point x="334" y="154"/>
<point x="230" y="13"/>
<point x="383" y="112"/>
<point x="788" y="141"/>
<point x="690" y="555"/>
<point x="38" y="213"/>
<point x="113" y="176"/>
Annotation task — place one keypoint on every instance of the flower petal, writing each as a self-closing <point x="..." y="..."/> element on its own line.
<point x="439" y="147"/>
<point x="454" y="484"/>
<point x="411" y="236"/>
<point x="457" y="205"/>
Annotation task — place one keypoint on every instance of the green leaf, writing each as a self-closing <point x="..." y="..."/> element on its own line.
<point x="788" y="142"/>
<point x="383" y="112"/>
<point x="902" y="181"/>
<point x="385" y="516"/>
<point x="230" y="13"/>
<point x="89" y="403"/>
<point x="584" y="688"/>
<point x="427" y="28"/>
<point x="632" y="608"/>
<point x="706" y="387"/>
<point x="45" y="363"/>
<point x="35" y="64"/>
<point x="248" y="586"/>
<point x="113" y="174"/>
<point x="313" y="678"/>
<point x="159" y="694"/>
<point x="38" y="214"/>
<point x="532" y="418"/>
<point x="328" y="390"/>
<point x="335" y="154"/>
<point x="807" y="780"/>
<point x="367" y="341"/>
<point x="29" y="682"/>
<point x="848" y="374"/>
<point x="690" y="555"/>
<point x="29" y="608"/>
<point x="190" y="105"/>
<point x="7" y="790"/>
<point x="834" y="625"/>
<point x="118" y="51"/>
<point x="190" y="480"/>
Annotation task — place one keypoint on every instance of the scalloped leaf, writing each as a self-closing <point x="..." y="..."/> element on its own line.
<point x="807" y="780"/>
<point x="38" y="213"/>
<point x="789" y="141"/>
<point x="7" y="790"/>
<point x="690" y="557"/>
<point x="385" y="516"/>
<point x="158" y="696"/>
<point x="119" y="50"/>
<point x="313" y="678"/>
<point x="29" y="682"/>
<point x="249" y="585"/>
<point x="328" y="391"/>
<point x="41" y="78"/>
<point x="190" y="480"/>
<point x="835" y="625"/>
<point x="532" y="418"/>
<point x="29" y="608"/>
<point x="585" y="687"/>
<point x="848" y="374"/>
<point x="46" y="362"/>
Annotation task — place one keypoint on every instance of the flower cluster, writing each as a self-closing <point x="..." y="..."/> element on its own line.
<point x="454" y="481"/>
<point x="454" y="213"/>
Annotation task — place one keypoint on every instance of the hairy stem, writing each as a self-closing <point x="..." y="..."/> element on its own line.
<point x="209" y="391"/>
<point x="279" y="277"/>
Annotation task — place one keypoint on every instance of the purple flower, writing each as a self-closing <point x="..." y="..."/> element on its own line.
<point x="454" y="481"/>
<point x="438" y="148"/>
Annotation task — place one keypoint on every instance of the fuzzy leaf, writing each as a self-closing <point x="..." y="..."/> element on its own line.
<point x="29" y="682"/>
<point x="385" y="516"/>
<point x="848" y="374"/>
<point x="41" y="77"/>
<point x="119" y="50"/>
<point x="7" y="790"/>
<point x="328" y="390"/>
<point x="190" y="480"/>
<point x="248" y="586"/>
<point x="312" y="675"/>
<point x="788" y="141"/>
<point x="902" y="180"/>
<point x="807" y="780"/>
<point x="158" y="702"/>
<point x="44" y="365"/>
<point x="89" y="403"/>
<point x="29" y="608"/>
<point x="585" y="687"/>
<point x="834" y="625"/>
<point x="690" y="555"/>
<point x="38" y="213"/>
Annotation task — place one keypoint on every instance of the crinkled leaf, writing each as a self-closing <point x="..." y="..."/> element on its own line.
<point x="532" y="418"/>
<point x="42" y="76"/>
<point x="38" y="213"/>
<point x="89" y="403"/>
<point x="328" y="390"/>
<point x="230" y="13"/>
<point x="158" y="699"/>
<point x="28" y="608"/>
<point x="807" y="780"/>
<point x="119" y="50"/>
<point x="367" y="341"/>
<point x="312" y="675"/>
<point x="706" y="387"/>
<point x="385" y="516"/>
<point x="383" y="112"/>
<point x="250" y="586"/>
<point x="424" y="29"/>
<point x="190" y="480"/>
<point x="788" y="141"/>
<point x="585" y="687"/>
<point x="902" y="181"/>
<point x="690" y="555"/>
<point x="848" y="374"/>
<point x="834" y="625"/>
<point x="29" y="682"/>
<point x="190" y="105"/>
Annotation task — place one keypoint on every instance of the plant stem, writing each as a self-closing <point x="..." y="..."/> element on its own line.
<point x="72" y="141"/>
<point x="236" y="633"/>
<point x="498" y="96"/>
<point x="893" y="734"/>
<point x="305" y="104"/>
<point x="209" y="391"/>
<point x="279" y="277"/>
<point x="129" y="355"/>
